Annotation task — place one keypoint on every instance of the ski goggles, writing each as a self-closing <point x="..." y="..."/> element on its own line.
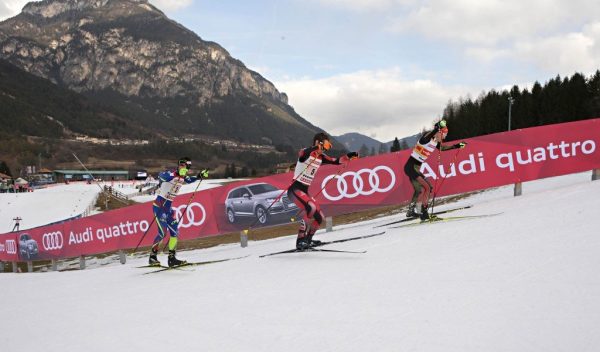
<point x="326" y="145"/>
<point x="186" y="163"/>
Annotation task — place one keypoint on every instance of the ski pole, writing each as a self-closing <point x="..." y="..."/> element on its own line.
<point x="278" y="197"/>
<point x="436" y="179"/>
<point x="144" y="235"/>
<point x="443" y="179"/>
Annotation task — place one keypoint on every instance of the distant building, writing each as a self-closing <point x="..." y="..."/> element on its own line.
<point x="42" y="177"/>
<point x="78" y="175"/>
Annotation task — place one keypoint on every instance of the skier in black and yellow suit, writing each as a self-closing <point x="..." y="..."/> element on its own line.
<point x="425" y="146"/>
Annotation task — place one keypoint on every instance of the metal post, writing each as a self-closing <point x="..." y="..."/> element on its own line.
<point x="122" y="257"/>
<point x="81" y="262"/>
<point x="1" y="267"/>
<point x="15" y="268"/>
<point x="329" y="224"/>
<point x="54" y="265"/>
<point x="510" y="103"/>
<point x="29" y="267"/>
<point x="595" y="174"/>
<point x="518" y="189"/>
<point x="243" y="239"/>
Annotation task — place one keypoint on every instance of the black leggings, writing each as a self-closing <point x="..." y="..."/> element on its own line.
<point x="421" y="186"/>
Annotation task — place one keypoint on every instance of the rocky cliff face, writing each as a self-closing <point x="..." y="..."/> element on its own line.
<point x="130" y="49"/>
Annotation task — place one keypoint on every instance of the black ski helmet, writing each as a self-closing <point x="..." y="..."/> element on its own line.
<point x="321" y="137"/>
<point x="185" y="160"/>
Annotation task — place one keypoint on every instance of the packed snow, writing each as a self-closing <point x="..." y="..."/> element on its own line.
<point x="525" y="279"/>
<point x="61" y="201"/>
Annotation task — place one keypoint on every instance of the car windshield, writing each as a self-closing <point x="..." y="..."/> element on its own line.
<point x="262" y="188"/>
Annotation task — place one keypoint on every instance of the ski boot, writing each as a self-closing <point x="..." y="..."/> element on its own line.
<point x="411" y="213"/>
<point x="425" y="216"/>
<point x="174" y="261"/>
<point x="303" y="243"/>
<point x="153" y="259"/>
<point x="313" y="243"/>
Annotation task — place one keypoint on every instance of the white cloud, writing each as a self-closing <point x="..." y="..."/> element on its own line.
<point x="483" y="21"/>
<point x="171" y="5"/>
<point x="363" y="5"/>
<point x="565" y="53"/>
<point x="552" y="35"/>
<point x="380" y="103"/>
<point x="555" y="36"/>
<point x="10" y="8"/>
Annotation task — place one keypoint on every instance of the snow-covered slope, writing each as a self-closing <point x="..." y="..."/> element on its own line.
<point x="59" y="202"/>
<point x="47" y="205"/>
<point x="524" y="280"/>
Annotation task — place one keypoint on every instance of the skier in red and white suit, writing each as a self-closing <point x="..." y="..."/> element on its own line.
<point x="309" y="161"/>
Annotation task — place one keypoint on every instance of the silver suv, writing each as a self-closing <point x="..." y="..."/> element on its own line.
<point x="254" y="200"/>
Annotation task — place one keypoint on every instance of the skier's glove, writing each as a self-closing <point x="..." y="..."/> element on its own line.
<point x="203" y="174"/>
<point x="352" y="155"/>
<point x="460" y="145"/>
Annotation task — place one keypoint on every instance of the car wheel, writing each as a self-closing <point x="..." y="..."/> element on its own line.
<point x="261" y="215"/>
<point x="230" y="216"/>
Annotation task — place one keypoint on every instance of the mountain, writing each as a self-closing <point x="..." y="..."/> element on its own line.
<point x="410" y="140"/>
<point x="128" y="55"/>
<point x="355" y="141"/>
<point x="34" y="106"/>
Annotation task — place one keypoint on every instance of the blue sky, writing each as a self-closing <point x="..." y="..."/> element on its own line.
<point x="387" y="68"/>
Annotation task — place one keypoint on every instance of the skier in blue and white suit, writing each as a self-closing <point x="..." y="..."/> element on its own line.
<point x="170" y="183"/>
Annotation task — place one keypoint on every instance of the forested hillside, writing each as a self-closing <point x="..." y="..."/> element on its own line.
<point x="558" y="100"/>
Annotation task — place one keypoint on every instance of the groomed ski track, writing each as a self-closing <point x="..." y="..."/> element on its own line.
<point x="526" y="280"/>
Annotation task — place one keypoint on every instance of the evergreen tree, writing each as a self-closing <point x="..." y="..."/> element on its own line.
<point x="4" y="168"/>
<point x="593" y="84"/>
<point x="395" y="145"/>
<point x="363" y="151"/>
<point x="404" y="145"/>
<point x="559" y="100"/>
<point x="372" y="151"/>
<point x="382" y="149"/>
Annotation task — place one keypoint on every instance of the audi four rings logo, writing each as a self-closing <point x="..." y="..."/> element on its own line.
<point x="11" y="247"/>
<point x="358" y="184"/>
<point x="194" y="215"/>
<point x="53" y="241"/>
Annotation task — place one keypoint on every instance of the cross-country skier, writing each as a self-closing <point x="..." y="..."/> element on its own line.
<point x="309" y="161"/>
<point x="425" y="146"/>
<point x="170" y="182"/>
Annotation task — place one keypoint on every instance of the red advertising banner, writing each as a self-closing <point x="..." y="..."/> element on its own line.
<point x="9" y="250"/>
<point x="487" y="161"/>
